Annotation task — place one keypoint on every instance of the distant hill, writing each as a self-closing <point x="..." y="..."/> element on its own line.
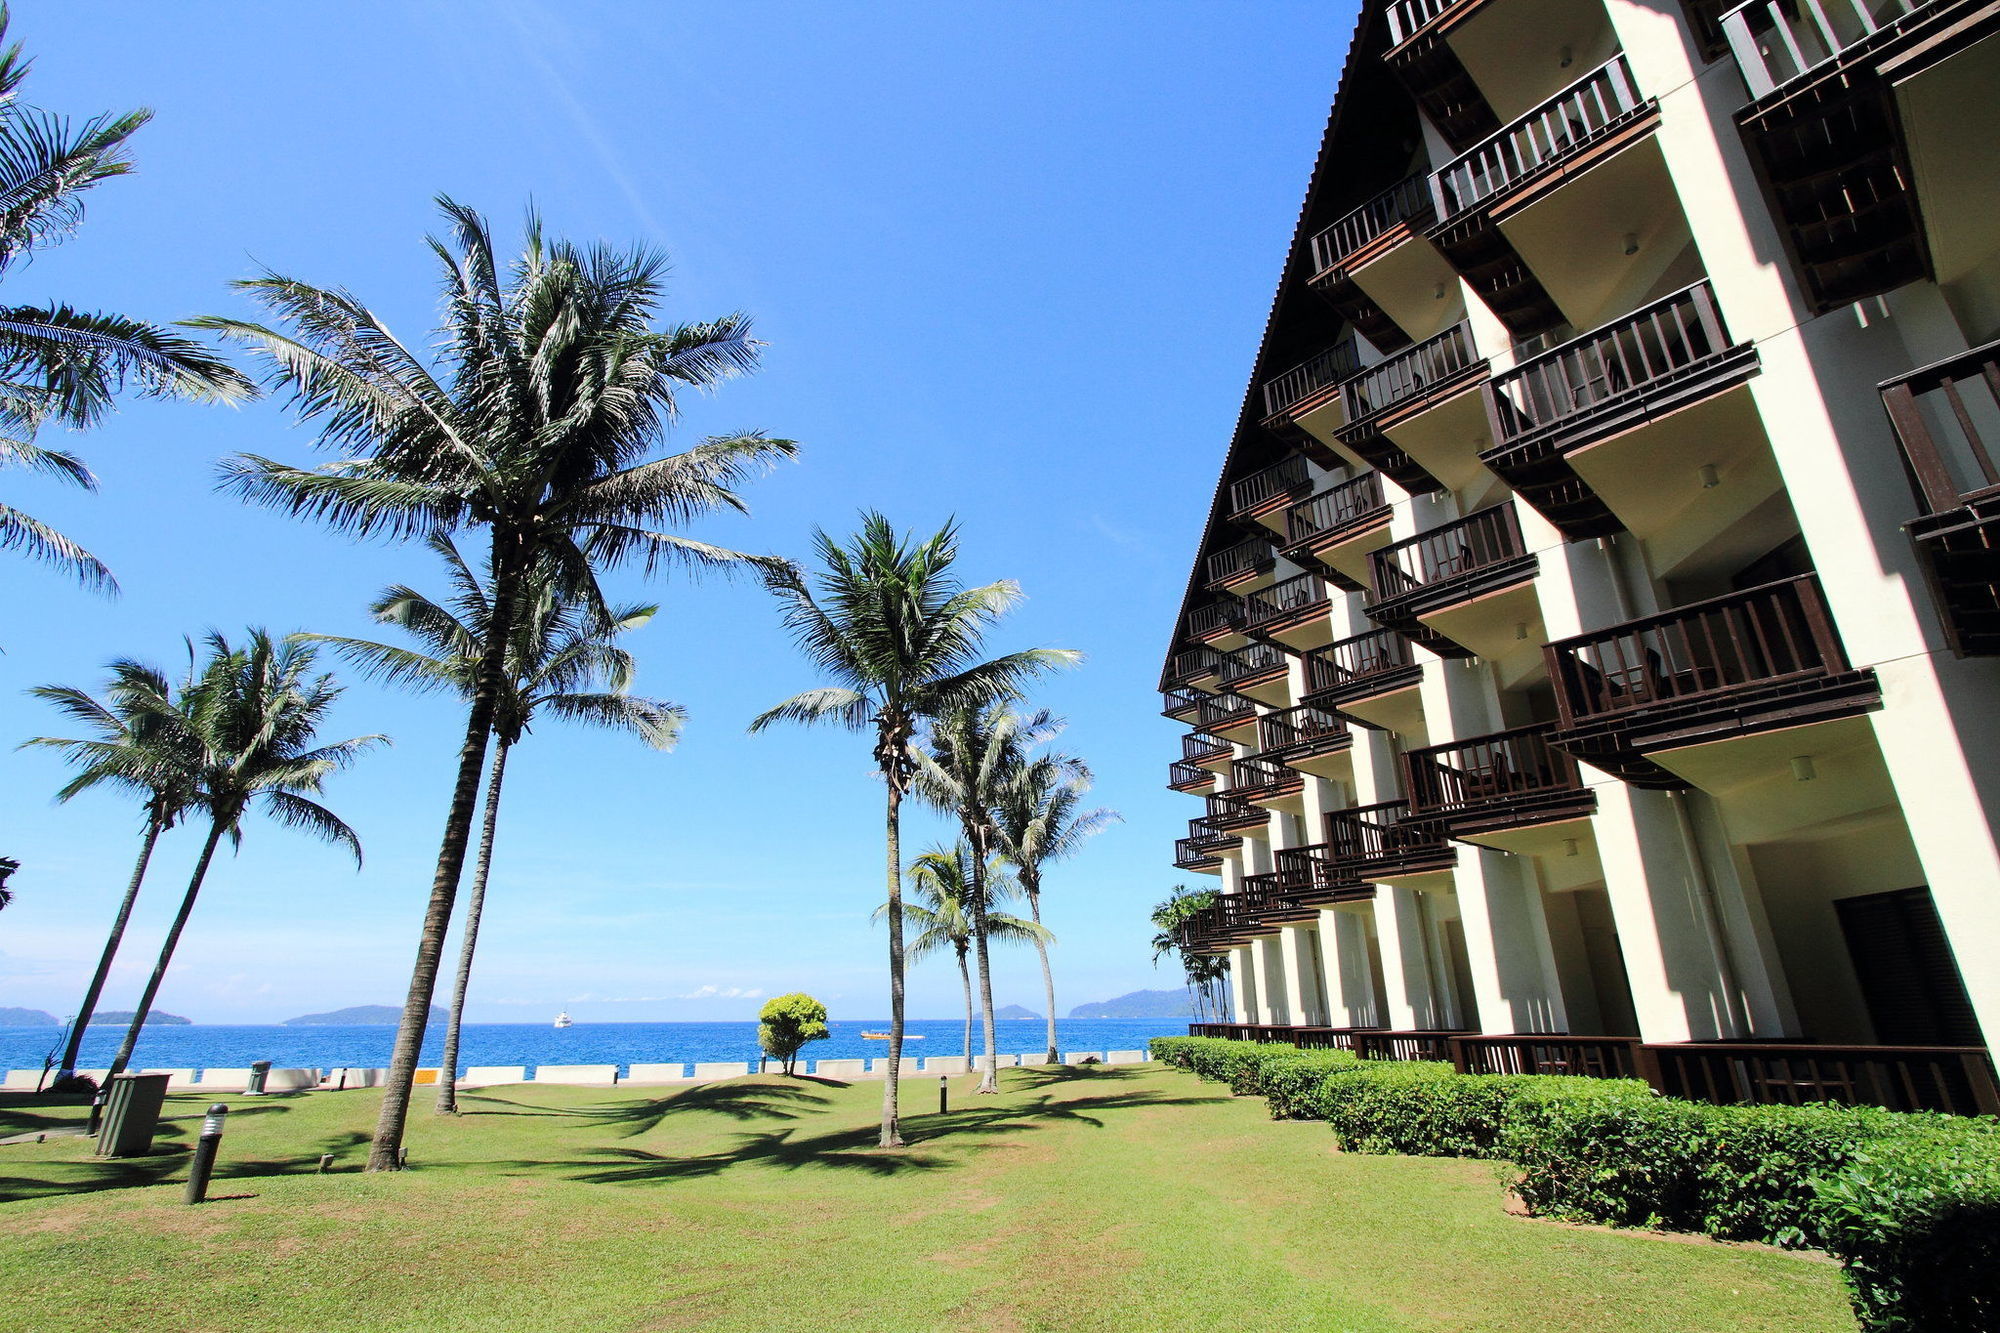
<point x="1015" y="1011"/>
<point x="26" y="1018"/>
<point x="1139" y="1004"/>
<point x="159" y="1016"/>
<point x="360" y="1015"/>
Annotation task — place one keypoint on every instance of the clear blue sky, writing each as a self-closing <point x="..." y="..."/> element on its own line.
<point x="1012" y="262"/>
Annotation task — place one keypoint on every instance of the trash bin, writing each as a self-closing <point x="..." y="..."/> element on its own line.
<point x="259" y="1071"/>
<point x="131" y="1114"/>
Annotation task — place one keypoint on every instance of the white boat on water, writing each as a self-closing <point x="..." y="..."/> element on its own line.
<point x="563" y="1019"/>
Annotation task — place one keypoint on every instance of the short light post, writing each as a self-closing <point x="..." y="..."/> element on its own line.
<point x="205" y="1149"/>
<point x="944" y="1095"/>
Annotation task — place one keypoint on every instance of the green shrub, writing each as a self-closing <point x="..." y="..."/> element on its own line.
<point x="1240" y="1064"/>
<point x="1293" y="1087"/>
<point x="1915" y="1221"/>
<point x="1427" y="1110"/>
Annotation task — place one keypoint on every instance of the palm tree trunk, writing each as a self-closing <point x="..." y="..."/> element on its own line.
<point x="892" y="1136"/>
<point x="965" y="980"/>
<point x="447" y="1098"/>
<point x="989" y="1077"/>
<point x="96" y="987"/>
<point x="1031" y="883"/>
<point x="124" y="1056"/>
<point x="385" y="1154"/>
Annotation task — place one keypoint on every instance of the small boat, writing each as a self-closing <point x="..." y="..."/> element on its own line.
<point x="883" y="1036"/>
<point x="563" y="1019"/>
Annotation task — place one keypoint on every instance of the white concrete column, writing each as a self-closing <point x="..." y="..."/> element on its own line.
<point x="1514" y="975"/>
<point x="1348" y="968"/>
<point x="1242" y="986"/>
<point x="1269" y="970"/>
<point x="1413" y="973"/>
<point x="1301" y="984"/>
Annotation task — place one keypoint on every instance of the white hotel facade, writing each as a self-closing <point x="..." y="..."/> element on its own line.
<point x="1594" y="644"/>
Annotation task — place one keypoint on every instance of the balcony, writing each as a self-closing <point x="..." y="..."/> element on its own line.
<point x="1432" y="71"/>
<point x="1243" y="565"/>
<point x="1303" y="737"/>
<point x="1373" y="843"/>
<point x="1180" y="704"/>
<point x="1755" y="661"/>
<point x="1229" y="814"/>
<point x="1351" y="673"/>
<point x="1310" y="876"/>
<point x="1448" y="568"/>
<point x="1631" y="373"/>
<point x="1383" y="222"/>
<point x="1186" y="777"/>
<point x="1510" y="780"/>
<point x="1196" y="852"/>
<point x="1937" y="413"/>
<point x="1333" y="527"/>
<point x="1266" y="783"/>
<point x="1215" y="622"/>
<point x="1200" y="748"/>
<point x="1584" y="122"/>
<point x="1836" y="104"/>
<point x="1269" y="490"/>
<point x="1193" y="666"/>
<point x="1309" y="385"/>
<point x="1222" y="713"/>
<point x="1294" y="611"/>
<point x="1257" y="670"/>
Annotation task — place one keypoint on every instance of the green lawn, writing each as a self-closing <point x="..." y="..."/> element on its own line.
<point x="1077" y="1200"/>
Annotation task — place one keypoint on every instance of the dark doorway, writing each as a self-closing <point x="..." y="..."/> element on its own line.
<point x="1908" y="977"/>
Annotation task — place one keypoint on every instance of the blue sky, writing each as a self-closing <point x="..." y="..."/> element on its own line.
<point x="1012" y="263"/>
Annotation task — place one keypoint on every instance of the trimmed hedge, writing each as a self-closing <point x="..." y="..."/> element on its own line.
<point x="1910" y="1204"/>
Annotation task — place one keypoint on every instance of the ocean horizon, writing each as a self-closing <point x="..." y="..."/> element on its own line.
<point x="233" y="1046"/>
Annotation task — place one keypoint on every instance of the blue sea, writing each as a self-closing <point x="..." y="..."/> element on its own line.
<point x="200" y="1046"/>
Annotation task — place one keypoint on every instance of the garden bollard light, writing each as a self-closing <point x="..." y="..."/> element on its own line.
<point x="205" y="1150"/>
<point x="943" y="1092"/>
<point x="325" y="1162"/>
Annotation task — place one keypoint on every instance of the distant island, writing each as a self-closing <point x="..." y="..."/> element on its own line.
<point x="360" y="1015"/>
<point x="159" y="1016"/>
<point x="1139" y="1004"/>
<point x="27" y="1018"/>
<point x="1015" y="1011"/>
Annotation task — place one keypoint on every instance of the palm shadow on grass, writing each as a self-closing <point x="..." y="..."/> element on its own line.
<point x="973" y="1129"/>
<point x="738" y="1101"/>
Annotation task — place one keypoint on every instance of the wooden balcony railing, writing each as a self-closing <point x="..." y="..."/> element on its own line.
<point x="1181" y="773"/>
<point x="1215" y="617"/>
<point x="1284" y="599"/>
<point x="1190" y="854"/>
<point x="1410" y="372"/>
<point x="1225" y="808"/>
<point x="1585" y="111"/>
<point x="1480" y="540"/>
<point x="1406" y="17"/>
<point x="1216" y="712"/>
<point x="1376" y="839"/>
<point x="1638" y="358"/>
<point x="1408" y="200"/>
<point x="1516" y="768"/>
<point x="1937" y="412"/>
<point x="1180" y="703"/>
<point x="1416" y="1044"/>
<point x="1200" y="747"/>
<point x="1323" y="369"/>
<point x="1288" y="729"/>
<point x="1351" y="663"/>
<point x="1312" y="874"/>
<point x="1776" y="41"/>
<point x="1776" y="634"/>
<point x="1346" y="505"/>
<point x="1954" y="1079"/>
<point x="1536" y="1053"/>
<point x="1257" y="776"/>
<point x="1194" y="663"/>
<point x="1254" y="659"/>
<point x="1208" y="839"/>
<point x="1246" y="557"/>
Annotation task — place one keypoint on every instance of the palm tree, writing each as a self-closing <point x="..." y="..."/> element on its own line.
<point x="252" y="715"/>
<point x="549" y="392"/>
<point x="564" y="660"/>
<point x="141" y="746"/>
<point x="1037" y="821"/>
<point x="972" y="755"/>
<point x="941" y="883"/>
<point x="1207" y="974"/>
<point x="901" y="635"/>
<point x="57" y="363"/>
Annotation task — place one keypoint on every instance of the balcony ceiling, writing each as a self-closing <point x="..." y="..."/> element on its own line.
<point x="1495" y="625"/>
<point x="1405" y="283"/>
<point x="1955" y="158"/>
<point x="1762" y="800"/>
<point x="1446" y="439"/>
<point x="1514" y="51"/>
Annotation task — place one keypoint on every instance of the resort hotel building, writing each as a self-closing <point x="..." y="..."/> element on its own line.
<point x="1591" y="661"/>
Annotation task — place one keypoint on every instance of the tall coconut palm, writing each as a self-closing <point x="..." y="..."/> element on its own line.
<point x="901" y="636"/>
<point x="1037" y="820"/>
<point x="969" y="758"/>
<point x="253" y="715"/>
<point x="1207" y="974"/>
<point x="57" y="363"/>
<point x="537" y="420"/>
<point x="564" y="660"/>
<point x="140" y="746"/>
<point x="941" y="884"/>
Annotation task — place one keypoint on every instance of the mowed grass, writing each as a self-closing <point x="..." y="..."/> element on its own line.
<point x="1075" y="1200"/>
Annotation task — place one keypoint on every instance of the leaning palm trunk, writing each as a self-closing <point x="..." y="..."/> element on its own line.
<point x="989" y="1077"/>
<point x="145" y="1006"/>
<point x="386" y="1152"/>
<point x="447" y="1098"/>
<point x="891" y="1132"/>
<point x="965" y="981"/>
<point x="74" y="1045"/>
<point x="1032" y="887"/>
